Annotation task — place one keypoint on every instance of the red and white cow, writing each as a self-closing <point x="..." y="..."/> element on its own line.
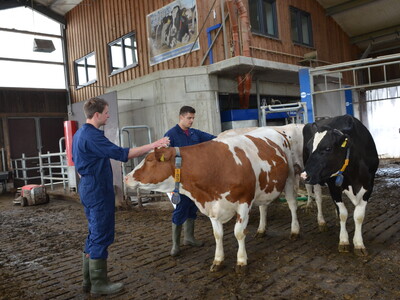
<point x="225" y="177"/>
<point x="294" y="133"/>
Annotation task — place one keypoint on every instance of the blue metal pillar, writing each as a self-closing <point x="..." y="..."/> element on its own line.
<point x="305" y="92"/>
<point x="209" y="29"/>
<point x="348" y="98"/>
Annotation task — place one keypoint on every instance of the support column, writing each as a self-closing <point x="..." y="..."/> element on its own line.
<point x="306" y="83"/>
<point x="348" y="98"/>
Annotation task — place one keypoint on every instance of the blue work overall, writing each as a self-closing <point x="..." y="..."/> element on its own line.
<point x="91" y="152"/>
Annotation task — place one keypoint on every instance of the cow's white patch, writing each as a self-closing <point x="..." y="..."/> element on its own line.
<point x="343" y="236"/>
<point x="317" y="139"/>
<point x="165" y="186"/>
<point x="355" y="198"/>
<point x="358" y="215"/>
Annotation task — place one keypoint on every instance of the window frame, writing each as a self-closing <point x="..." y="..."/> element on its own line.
<point x="262" y="19"/>
<point x="114" y="70"/>
<point x="86" y="67"/>
<point x="298" y="16"/>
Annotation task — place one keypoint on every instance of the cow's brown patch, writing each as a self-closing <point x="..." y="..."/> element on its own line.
<point x="287" y="142"/>
<point x="209" y="171"/>
<point x="276" y="177"/>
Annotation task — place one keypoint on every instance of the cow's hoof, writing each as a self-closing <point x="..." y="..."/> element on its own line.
<point x="240" y="269"/>
<point x="260" y="235"/>
<point x="294" y="236"/>
<point x="344" y="248"/>
<point x="360" y="251"/>
<point x="216" y="267"/>
<point x="323" y="227"/>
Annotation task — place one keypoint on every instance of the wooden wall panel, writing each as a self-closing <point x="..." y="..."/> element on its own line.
<point x="93" y="24"/>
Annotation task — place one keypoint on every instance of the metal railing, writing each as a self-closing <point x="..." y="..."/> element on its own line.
<point x="130" y="165"/>
<point x="49" y="171"/>
<point x="20" y="168"/>
<point x="295" y="111"/>
<point x="356" y="71"/>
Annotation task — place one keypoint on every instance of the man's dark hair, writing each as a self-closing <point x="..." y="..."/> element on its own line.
<point x="94" y="105"/>
<point x="186" y="109"/>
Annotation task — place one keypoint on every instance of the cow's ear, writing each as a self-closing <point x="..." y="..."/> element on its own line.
<point x="337" y="132"/>
<point x="343" y="140"/>
<point x="162" y="154"/>
<point x="159" y="154"/>
<point x="348" y="124"/>
<point x="314" y="127"/>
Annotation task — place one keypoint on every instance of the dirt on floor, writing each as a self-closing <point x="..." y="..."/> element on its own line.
<point x="40" y="253"/>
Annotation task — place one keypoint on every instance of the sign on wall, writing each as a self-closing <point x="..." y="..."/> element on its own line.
<point x="172" y="31"/>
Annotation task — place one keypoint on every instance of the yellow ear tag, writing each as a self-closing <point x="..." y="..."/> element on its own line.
<point x="344" y="143"/>
<point x="162" y="158"/>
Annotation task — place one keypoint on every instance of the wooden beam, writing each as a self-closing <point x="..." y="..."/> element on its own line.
<point x="333" y="10"/>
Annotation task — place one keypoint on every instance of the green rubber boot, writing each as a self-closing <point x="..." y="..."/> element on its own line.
<point x="176" y="239"/>
<point x="85" y="273"/>
<point x="99" y="280"/>
<point x="189" y="234"/>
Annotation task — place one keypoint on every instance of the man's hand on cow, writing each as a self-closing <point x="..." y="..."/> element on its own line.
<point x="164" y="142"/>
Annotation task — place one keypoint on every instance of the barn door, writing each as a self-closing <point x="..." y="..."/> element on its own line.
<point x="23" y="140"/>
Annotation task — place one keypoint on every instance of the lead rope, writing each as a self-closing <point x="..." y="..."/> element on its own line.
<point x="176" y="198"/>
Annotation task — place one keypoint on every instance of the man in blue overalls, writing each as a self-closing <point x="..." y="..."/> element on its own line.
<point x="91" y="152"/>
<point x="185" y="211"/>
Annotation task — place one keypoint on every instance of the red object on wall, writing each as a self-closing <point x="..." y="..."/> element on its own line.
<point x="70" y="127"/>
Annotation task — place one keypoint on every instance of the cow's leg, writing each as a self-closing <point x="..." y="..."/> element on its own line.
<point x="310" y="196"/>
<point x="318" y="199"/>
<point x="261" y="231"/>
<point x="358" y="215"/>
<point x="336" y="194"/>
<point x="218" y="230"/>
<point x="292" y="202"/>
<point x="344" y="245"/>
<point x="240" y="234"/>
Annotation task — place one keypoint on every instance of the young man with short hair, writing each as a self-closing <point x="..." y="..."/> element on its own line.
<point x="91" y="152"/>
<point x="185" y="211"/>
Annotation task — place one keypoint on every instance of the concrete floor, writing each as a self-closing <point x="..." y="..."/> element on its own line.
<point x="40" y="253"/>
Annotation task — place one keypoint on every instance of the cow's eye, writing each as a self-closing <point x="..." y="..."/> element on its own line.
<point x="328" y="149"/>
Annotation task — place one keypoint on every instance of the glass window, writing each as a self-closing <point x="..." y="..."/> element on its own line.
<point x="123" y="53"/>
<point x="85" y="70"/>
<point x="301" y="26"/>
<point x="263" y="17"/>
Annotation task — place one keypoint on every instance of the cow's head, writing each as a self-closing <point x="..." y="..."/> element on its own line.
<point x="328" y="148"/>
<point x="175" y="14"/>
<point x="155" y="172"/>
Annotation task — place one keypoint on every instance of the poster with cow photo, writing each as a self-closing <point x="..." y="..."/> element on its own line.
<point x="172" y="31"/>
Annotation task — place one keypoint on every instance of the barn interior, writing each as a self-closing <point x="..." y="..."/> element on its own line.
<point x="33" y="141"/>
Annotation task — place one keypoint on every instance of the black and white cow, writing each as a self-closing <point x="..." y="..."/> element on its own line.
<point x="162" y="32"/>
<point x="341" y="152"/>
<point x="179" y="31"/>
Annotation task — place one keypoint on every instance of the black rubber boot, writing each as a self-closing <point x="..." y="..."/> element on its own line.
<point x="85" y="273"/>
<point x="189" y="234"/>
<point x="99" y="280"/>
<point x="176" y="239"/>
